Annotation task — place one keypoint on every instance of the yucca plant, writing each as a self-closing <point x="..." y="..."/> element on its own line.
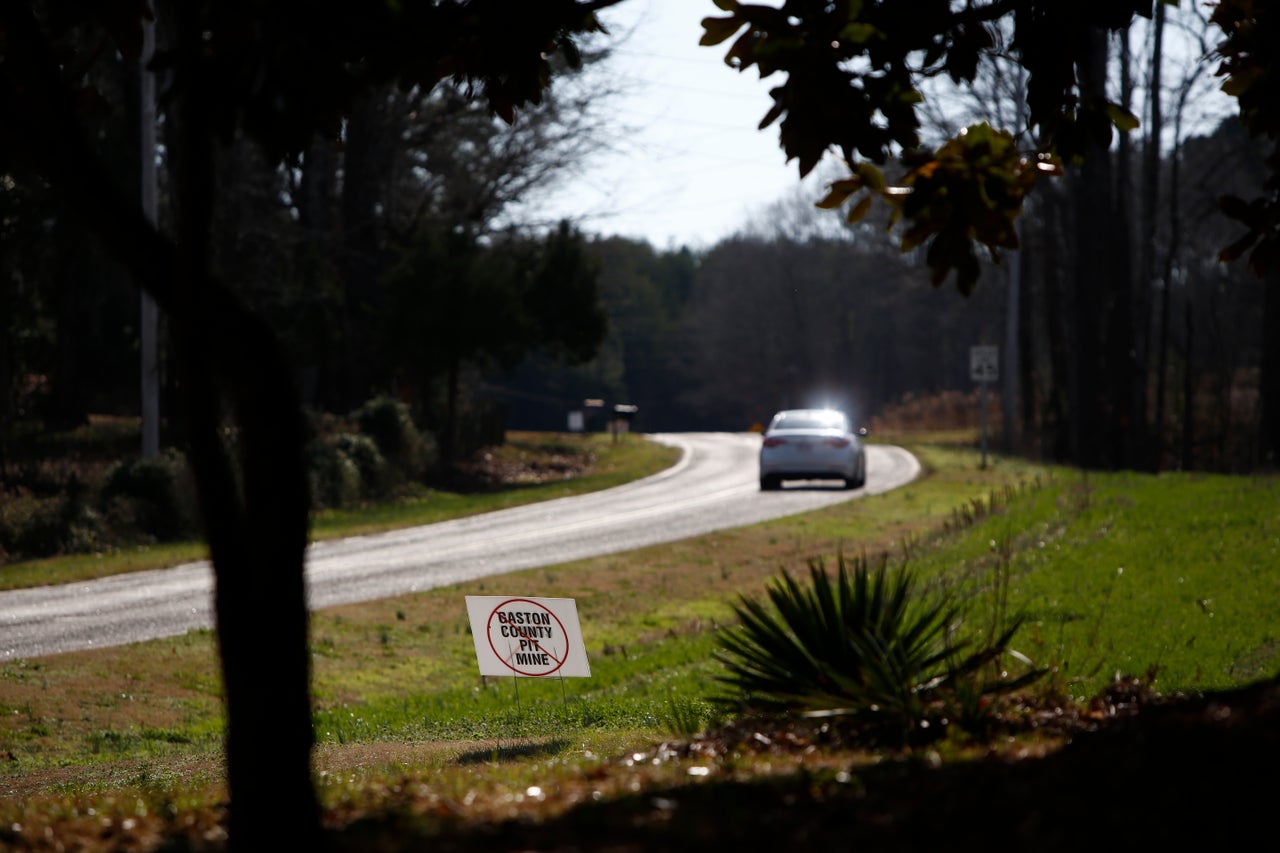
<point x="863" y="642"/>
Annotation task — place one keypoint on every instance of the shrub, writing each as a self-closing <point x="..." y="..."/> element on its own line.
<point x="863" y="644"/>
<point x="408" y="452"/>
<point x="153" y="496"/>
<point x="335" y="478"/>
<point x="32" y="526"/>
<point x="942" y="410"/>
<point x="369" y="461"/>
<point x="388" y="422"/>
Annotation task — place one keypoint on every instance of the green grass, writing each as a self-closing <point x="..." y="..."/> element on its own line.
<point x="631" y="691"/>
<point x="1118" y="573"/>
<point x="1128" y="573"/>
<point x="81" y="567"/>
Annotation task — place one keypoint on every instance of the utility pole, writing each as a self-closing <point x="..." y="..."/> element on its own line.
<point x="150" y="319"/>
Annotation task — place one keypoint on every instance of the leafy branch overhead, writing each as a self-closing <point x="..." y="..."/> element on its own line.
<point x="852" y="72"/>
<point x="968" y="191"/>
<point x="284" y="71"/>
<point x="1248" y="52"/>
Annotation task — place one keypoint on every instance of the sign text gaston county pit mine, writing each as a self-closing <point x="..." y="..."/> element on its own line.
<point x="529" y="637"/>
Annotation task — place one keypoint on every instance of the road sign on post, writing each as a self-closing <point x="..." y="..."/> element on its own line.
<point x="984" y="368"/>
<point x="984" y="364"/>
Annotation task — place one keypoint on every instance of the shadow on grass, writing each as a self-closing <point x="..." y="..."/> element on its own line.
<point x="1188" y="773"/>
<point x="514" y="752"/>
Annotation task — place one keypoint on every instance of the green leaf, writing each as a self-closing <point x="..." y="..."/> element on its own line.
<point x="1236" y="85"/>
<point x="859" y="210"/>
<point x="839" y="193"/>
<point x="572" y="55"/>
<point x="772" y="116"/>
<point x="1122" y="118"/>
<point x="719" y="29"/>
<point x="858" y="33"/>
<point x="871" y="175"/>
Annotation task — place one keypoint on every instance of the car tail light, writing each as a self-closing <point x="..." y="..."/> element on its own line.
<point x="838" y="442"/>
<point x="774" y="442"/>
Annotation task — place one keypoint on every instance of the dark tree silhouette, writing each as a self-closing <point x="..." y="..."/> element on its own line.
<point x="457" y="303"/>
<point x="852" y="86"/>
<point x="281" y="73"/>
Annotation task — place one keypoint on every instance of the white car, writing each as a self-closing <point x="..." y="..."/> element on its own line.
<point x="811" y="444"/>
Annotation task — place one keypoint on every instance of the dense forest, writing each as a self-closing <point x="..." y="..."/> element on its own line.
<point x="409" y="261"/>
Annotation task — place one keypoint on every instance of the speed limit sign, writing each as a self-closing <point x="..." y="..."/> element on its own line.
<point x="984" y="363"/>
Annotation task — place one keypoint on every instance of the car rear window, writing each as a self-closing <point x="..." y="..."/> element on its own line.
<point x="809" y="422"/>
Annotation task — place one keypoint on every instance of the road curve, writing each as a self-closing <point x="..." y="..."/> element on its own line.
<point x="713" y="486"/>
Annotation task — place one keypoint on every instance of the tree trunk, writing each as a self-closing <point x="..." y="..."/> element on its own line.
<point x="256" y="528"/>
<point x="1162" y="369"/>
<point x="6" y="378"/>
<point x="1059" y="320"/>
<point x="1150" y="195"/>
<point x="1189" y="387"/>
<point x="449" y="434"/>
<point x="360" y="265"/>
<point x="1088" y="310"/>
<point x="1269" y="381"/>
<point x="1170" y="264"/>
<point x="318" y="265"/>
<point x="1027" y="310"/>
<point x="1102" y="308"/>
<point x="256" y="523"/>
<point x="1009" y="371"/>
<point x="67" y="408"/>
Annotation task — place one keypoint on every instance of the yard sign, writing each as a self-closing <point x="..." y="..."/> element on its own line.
<point x="529" y="637"/>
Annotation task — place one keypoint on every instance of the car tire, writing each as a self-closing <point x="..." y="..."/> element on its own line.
<point x="770" y="483"/>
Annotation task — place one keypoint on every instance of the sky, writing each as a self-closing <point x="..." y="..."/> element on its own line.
<point x="697" y="166"/>
<point x="689" y="166"/>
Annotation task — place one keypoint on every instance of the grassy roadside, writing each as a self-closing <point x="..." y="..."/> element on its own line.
<point x="1120" y="573"/>
<point x="565" y="465"/>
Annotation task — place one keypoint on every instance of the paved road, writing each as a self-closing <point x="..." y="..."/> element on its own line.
<point x="714" y="486"/>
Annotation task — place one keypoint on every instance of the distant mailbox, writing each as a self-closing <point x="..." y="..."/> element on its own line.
<point x="620" y="423"/>
<point x="593" y="414"/>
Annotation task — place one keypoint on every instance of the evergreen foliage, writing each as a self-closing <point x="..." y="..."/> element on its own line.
<point x="864" y="643"/>
<point x="153" y="496"/>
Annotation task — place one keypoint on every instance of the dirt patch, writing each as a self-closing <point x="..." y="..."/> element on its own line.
<point x="513" y="465"/>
